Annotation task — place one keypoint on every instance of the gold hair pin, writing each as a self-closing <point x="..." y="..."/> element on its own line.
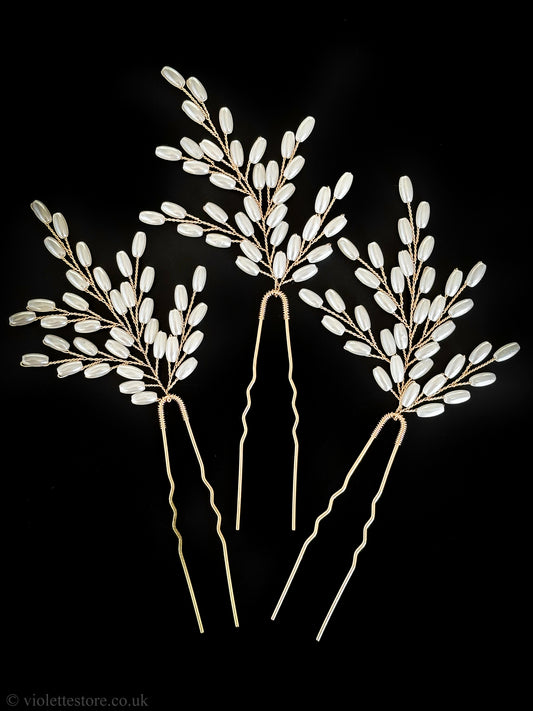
<point x="406" y="351"/>
<point x="150" y="361"/>
<point x="260" y="227"/>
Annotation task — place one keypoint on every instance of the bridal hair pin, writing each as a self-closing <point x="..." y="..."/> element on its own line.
<point x="150" y="361"/>
<point x="260" y="227"/>
<point x="406" y="351"/>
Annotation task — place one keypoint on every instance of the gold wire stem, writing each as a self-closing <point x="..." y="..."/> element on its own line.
<point x="399" y="439"/>
<point x="262" y="312"/>
<point x="334" y="496"/>
<point x="175" y="514"/>
<point x="185" y="417"/>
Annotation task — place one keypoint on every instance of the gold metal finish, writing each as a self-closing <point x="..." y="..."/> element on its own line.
<point x="161" y="404"/>
<point x="262" y="312"/>
<point x="403" y="426"/>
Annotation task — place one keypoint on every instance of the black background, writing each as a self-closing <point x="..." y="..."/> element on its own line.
<point x="95" y="600"/>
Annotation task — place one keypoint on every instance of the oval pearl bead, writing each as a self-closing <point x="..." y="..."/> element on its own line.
<point x="102" y="279"/>
<point x="147" y="397"/>
<point x="215" y="212"/>
<point x="443" y="331"/>
<point x="172" y="209"/>
<point x="476" y="274"/>
<point x="131" y="372"/>
<point x="310" y="298"/>
<point x="188" y="229"/>
<point x="172" y="349"/>
<point x="186" y="368"/>
<point x="199" y="279"/>
<point x="479" y="380"/>
<point x="89" y="325"/>
<point x="405" y="188"/>
<point x="211" y="150"/>
<point x="193" y="342"/>
<point x="454" y="282"/>
<point x="382" y="378"/>
<point x="410" y="394"/>
<point x="197" y="89"/>
<point x="279" y="233"/>
<point x="225" y="120"/>
<point x="247" y="266"/>
<point x="279" y="265"/>
<point x="168" y="153"/>
<point x="84" y="254"/>
<point x="335" y="301"/>
<point x="405" y="231"/>
<point x="197" y="314"/>
<point x="343" y="184"/>
<point x="293" y="167"/>
<point x="124" y="263"/>
<point x="21" y="318"/>
<point x="375" y="255"/>
<point x="151" y="330"/>
<point x="430" y="409"/>
<point x="335" y="225"/>
<point x="85" y="346"/>
<point x="333" y="325"/>
<point x="54" y="321"/>
<point x="422" y="214"/>
<point x="385" y="302"/>
<point x="283" y="194"/>
<point x="128" y="387"/>
<point x="54" y="247"/>
<point x="454" y="397"/>
<point x="293" y="247"/>
<point x="434" y="384"/>
<point x="217" y="240"/>
<point x="117" y="349"/>
<point x="175" y="322"/>
<point x="367" y="278"/>
<point x="75" y="301"/>
<point x="128" y="295"/>
<point x="436" y="308"/>
<point x="66" y="369"/>
<point x="244" y="224"/>
<point x="77" y="280"/>
<point x="250" y="250"/>
<point x="147" y="279"/>
<point x="97" y="370"/>
<point x="55" y="342"/>
<point x="426" y="248"/>
<point x="311" y="228"/>
<point x="348" y="248"/>
<point x="358" y="348"/>
<point x="34" y="360"/>
<point x="193" y="111"/>
<point x="400" y="336"/>
<point x="118" y="302"/>
<point x="222" y="181"/>
<point x="397" y="280"/>
<point x="257" y="150"/>
<point x="173" y="77"/>
<point x="60" y="225"/>
<point x="396" y="368"/>
<point x="387" y="342"/>
<point x="41" y="212"/>
<point x="236" y="153"/>
<point x="455" y="366"/>
<point x="427" y="280"/>
<point x="150" y="217"/>
<point x="322" y="200"/>
<point x="305" y="272"/>
<point x="421" y="311"/>
<point x="277" y="215"/>
<point x="146" y="309"/>
<point x="420" y="369"/>
<point x="506" y="352"/>
<point x="480" y="352"/>
<point x="427" y="351"/>
<point x="288" y="142"/>
<point x="181" y="298"/>
<point x="460" y="308"/>
<point x="318" y="254"/>
<point x="362" y="318"/>
<point x="304" y="129"/>
<point x="160" y="344"/>
<point x="192" y="148"/>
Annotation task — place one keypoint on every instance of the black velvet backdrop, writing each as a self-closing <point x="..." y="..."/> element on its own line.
<point x="95" y="600"/>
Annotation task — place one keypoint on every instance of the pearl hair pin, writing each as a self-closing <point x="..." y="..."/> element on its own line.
<point x="261" y="230"/>
<point x="406" y="350"/>
<point x="150" y="360"/>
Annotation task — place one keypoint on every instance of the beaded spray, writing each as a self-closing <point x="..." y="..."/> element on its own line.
<point x="150" y="361"/>
<point x="260" y="228"/>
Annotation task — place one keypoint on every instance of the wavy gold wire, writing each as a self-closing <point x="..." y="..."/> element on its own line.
<point x="169" y="398"/>
<point x="262" y="312"/>
<point x="341" y="490"/>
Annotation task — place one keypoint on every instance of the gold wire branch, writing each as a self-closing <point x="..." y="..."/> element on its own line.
<point x="261" y="318"/>
<point x="183" y="410"/>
